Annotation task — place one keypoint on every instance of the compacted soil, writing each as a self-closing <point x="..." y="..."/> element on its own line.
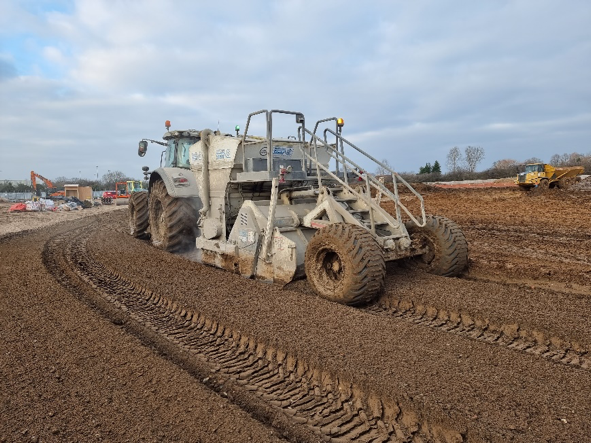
<point x="104" y="338"/>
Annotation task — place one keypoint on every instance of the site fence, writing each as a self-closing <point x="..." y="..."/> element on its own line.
<point x="24" y="196"/>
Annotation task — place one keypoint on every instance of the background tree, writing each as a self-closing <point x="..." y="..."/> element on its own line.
<point x="21" y="187"/>
<point x="425" y="169"/>
<point x="473" y="156"/>
<point x="506" y="163"/>
<point x="533" y="160"/>
<point x="454" y="159"/>
<point x="436" y="169"/>
<point x="111" y="178"/>
<point x="383" y="171"/>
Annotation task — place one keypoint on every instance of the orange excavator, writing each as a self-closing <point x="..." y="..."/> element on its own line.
<point x="48" y="183"/>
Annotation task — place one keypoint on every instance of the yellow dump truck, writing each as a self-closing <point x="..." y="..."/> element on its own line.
<point x="546" y="176"/>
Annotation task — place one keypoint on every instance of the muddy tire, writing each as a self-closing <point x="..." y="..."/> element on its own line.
<point x="345" y="264"/>
<point x="138" y="216"/>
<point x="564" y="183"/>
<point x="447" y="248"/>
<point x="544" y="184"/>
<point x="172" y="220"/>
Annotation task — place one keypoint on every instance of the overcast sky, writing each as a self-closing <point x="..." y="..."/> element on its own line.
<point x="82" y="81"/>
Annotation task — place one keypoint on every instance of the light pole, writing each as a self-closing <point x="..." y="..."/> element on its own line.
<point x="97" y="173"/>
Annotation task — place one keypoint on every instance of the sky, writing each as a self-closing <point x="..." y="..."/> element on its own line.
<point x="82" y="81"/>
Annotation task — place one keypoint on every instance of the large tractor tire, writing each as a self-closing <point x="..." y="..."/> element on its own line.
<point x="173" y="221"/>
<point x="447" y="248"/>
<point x="138" y="215"/>
<point x="345" y="264"/>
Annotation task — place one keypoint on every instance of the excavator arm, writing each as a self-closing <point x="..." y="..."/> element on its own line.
<point x="35" y="176"/>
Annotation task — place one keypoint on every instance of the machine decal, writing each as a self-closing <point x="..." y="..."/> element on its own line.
<point x="278" y="243"/>
<point x="282" y="151"/>
<point x="246" y="236"/>
<point x="196" y="157"/>
<point x="278" y="151"/>
<point x="222" y="154"/>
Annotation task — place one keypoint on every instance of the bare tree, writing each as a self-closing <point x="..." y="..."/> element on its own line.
<point x="380" y="170"/>
<point x="555" y="160"/>
<point x="504" y="164"/>
<point x="454" y="159"/>
<point x="473" y="156"/>
<point x="112" y="177"/>
<point x="529" y="161"/>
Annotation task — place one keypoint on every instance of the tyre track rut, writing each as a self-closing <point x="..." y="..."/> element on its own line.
<point x="334" y="409"/>
<point x="259" y="359"/>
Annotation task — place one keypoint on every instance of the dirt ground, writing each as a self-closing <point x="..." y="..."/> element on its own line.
<point x="104" y="338"/>
<point x="11" y="222"/>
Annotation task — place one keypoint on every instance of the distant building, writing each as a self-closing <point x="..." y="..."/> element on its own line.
<point x="15" y="182"/>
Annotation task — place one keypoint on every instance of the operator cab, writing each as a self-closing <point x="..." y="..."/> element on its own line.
<point x="178" y="142"/>
<point x="538" y="167"/>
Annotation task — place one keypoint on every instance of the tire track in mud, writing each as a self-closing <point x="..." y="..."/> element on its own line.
<point x="312" y="402"/>
<point x="509" y="335"/>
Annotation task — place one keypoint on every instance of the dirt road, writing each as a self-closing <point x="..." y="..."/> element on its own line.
<point x="106" y="339"/>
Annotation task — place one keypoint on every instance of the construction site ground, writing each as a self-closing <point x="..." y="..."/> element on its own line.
<point x="104" y="338"/>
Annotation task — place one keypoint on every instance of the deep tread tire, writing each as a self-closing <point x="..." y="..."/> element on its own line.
<point x="564" y="183"/>
<point x="345" y="264"/>
<point x="448" y="248"/>
<point x="173" y="221"/>
<point x="138" y="215"/>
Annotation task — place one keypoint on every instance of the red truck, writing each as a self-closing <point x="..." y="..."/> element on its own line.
<point x="108" y="197"/>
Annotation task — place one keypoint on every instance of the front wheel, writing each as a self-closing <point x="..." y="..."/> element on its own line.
<point x="445" y="245"/>
<point x="345" y="264"/>
<point x="138" y="214"/>
<point x="173" y="221"/>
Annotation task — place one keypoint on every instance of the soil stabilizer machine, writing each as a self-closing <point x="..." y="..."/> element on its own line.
<point x="280" y="209"/>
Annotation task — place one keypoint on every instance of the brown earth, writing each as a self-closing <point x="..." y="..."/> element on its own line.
<point x="502" y="354"/>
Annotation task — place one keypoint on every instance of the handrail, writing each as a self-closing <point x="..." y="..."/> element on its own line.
<point x="369" y="179"/>
<point x="269" y="123"/>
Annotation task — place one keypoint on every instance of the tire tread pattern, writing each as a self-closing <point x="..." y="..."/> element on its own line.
<point x="452" y="255"/>
<point x="362" y="252"/>
<point x="138" y="214"/>
<point x="180" y="219"/>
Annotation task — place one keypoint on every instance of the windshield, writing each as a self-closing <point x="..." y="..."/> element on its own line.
<point x="533" y="168"/>
<point x="183" y="154"/>
<point x="177" y="152"/>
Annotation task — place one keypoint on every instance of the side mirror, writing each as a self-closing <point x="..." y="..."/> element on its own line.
<point x="143" y="148"/>
<point x="300" y="118"/>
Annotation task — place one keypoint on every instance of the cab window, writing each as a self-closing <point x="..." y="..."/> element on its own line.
<point x="183" y="152"/>
<point x="170" y="153"/>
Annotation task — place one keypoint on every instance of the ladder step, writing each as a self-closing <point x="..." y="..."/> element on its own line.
<point x="347" y="199"/>
<point x="367" y="223"/>
<point x="359" y="211"/>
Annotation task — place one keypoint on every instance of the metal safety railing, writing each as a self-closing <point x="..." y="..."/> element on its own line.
<point x="371" y="182"/>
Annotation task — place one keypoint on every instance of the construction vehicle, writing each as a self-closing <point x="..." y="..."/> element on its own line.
<point x="123" y="191"/>
<point x="51" y="189"/>
<point x="279" y="209"/>
<point x="544" y="176"/>
<point x="108" y="196"/>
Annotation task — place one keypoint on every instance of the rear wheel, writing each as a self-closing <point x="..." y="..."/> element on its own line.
<point x="446" y="246"/>
<point x="345" y="264"/>
<point x="173" y="221"/>
<point x="138" y="214"/>
<point x="564" y="183"/>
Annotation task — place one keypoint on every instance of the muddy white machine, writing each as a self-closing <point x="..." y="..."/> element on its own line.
<point x="279" y="209"/>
